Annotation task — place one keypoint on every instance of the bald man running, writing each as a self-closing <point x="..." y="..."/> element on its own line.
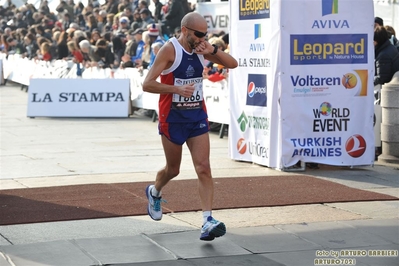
<point x="182" y="114"/>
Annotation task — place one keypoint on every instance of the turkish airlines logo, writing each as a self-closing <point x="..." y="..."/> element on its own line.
<point x="241" y="146"/>
<point x="355" y="146"/>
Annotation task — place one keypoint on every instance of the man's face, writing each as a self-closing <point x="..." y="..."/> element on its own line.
<point x="193" y="40"/>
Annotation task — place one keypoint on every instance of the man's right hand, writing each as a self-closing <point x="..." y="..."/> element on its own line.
<point x="186" y="90"/>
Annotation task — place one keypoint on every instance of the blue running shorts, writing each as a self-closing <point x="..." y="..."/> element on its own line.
<point x="178" y="133"/>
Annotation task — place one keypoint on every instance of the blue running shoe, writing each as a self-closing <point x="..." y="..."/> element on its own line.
<point x="154" y="208"/>
<point x="211" y="229"/>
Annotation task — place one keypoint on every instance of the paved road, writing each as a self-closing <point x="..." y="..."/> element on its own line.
<point x="44" y="152"/>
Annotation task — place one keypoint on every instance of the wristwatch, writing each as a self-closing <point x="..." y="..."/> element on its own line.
<point x="214" y="50"/>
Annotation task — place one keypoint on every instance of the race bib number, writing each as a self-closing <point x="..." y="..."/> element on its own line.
<point x="186" y="103"/>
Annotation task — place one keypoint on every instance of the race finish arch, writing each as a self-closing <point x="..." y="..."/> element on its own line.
<point x="304" y="86"/>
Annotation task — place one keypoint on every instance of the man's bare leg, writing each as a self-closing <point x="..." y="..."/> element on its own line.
<point x="173" y="155"/>
<point x="199" y="149"/>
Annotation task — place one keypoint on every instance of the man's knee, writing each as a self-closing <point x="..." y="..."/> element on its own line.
<point x="172" y="172"/>
<point x="203" y="170"/>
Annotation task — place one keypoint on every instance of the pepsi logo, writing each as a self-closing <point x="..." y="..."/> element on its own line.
<point x="251" y="89"/>
<point x="241" y="146"/>
<point x="355" y="146"/>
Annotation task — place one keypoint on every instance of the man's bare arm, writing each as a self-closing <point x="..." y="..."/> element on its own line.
<point x="164" y="60"/>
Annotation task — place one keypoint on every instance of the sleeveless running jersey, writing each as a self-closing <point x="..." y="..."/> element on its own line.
<point x="186" y="69"/>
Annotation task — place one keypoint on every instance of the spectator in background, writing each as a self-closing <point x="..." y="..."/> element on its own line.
<point x="77" y="57"/>
<point x="215" y="72"/>
<point x="41" y="32"/>
<point x="75" y="52"/>
<point x="118" y="49"/>
<point x="392" y="36"/>
<point x="155" y="47"/>
<point x="44" y="7"/>
<point x="144" y="61"/>
<point x="175" y="14"/>
<point x="4" y="44"/>
<point x="124" y="25"/>
<point x="91" y="23"/>
<point x="154" y="34"/>
<point x="127" y="12"/>
<point x="20" y="23"/>
<point x="386" y="61"/>
<point x="31" y="47"/>
<point x="105" y="54"/>
<point x="78" y="9"/>
<point x="137" y="21"/>
<point x="146" y="17"/>
<point x="63" y="7"/>
<point x="109" y="23"/>
<point x="143" y="4"/>
<point x="138" y="36"/>
<point x="62" y="46"/>
<point x="102" y="20"/>
<point x="131" y="44"/>
<point x="112" y="7"/>
<point x="14" y="47"/>
<point x="378" y="22"/>
<point x="45" y="52"/>
<point x="66" y="21"/>
<point x="95" y="36"/>
<point x="158" y="15"/>
<point x="90" y="52"/>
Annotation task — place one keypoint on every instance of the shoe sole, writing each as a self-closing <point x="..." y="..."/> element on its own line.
<point x="147" y="193"/>
<point x="218" y="231"/>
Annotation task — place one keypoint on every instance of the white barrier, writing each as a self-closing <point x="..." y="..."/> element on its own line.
<point x="30" y="72"/>
<point x="79" y="98"/>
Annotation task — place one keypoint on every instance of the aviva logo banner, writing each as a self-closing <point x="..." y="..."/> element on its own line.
<point x="329" y="7"/>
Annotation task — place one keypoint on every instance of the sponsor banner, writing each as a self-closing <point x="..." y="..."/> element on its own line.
<point x="326" y="85"/>
<point x="79" y="98"/>
<point x="302" y="91"/>
<point x="252" y="98"/>
<point x="216" y="15"/>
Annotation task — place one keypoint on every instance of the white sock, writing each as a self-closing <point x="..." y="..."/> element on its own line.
<point x="205" y="215"/>
<point x="155" y="192"/>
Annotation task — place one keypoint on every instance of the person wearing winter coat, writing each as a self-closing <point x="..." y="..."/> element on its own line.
<point x="386" y="61"/>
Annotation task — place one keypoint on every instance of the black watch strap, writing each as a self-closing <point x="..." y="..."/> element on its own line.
<point x="214" y="50"/>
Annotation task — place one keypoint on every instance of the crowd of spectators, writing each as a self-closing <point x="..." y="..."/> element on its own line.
<point x="116" y="34"/>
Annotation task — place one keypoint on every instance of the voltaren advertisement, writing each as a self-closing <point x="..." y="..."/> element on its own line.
<point x="327" y="82"/>
<point x="303" y="90"/>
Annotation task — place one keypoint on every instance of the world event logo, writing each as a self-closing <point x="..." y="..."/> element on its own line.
<point x="256" y="90"/>
<point x="326" y="49"/>
<point x="254" y="9"/>
<point x="329" y="7"/>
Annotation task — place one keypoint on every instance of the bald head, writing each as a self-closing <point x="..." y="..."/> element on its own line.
<point x="194" y="19"/>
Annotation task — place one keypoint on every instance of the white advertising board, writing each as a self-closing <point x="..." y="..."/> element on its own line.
<point x="327" y="90"/>
<point x="79" y="98"/>
<point x="216" y="15"/>
<point x="303" y="90"/>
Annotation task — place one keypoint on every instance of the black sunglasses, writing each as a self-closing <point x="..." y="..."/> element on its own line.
<point x="199" y="34"/>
